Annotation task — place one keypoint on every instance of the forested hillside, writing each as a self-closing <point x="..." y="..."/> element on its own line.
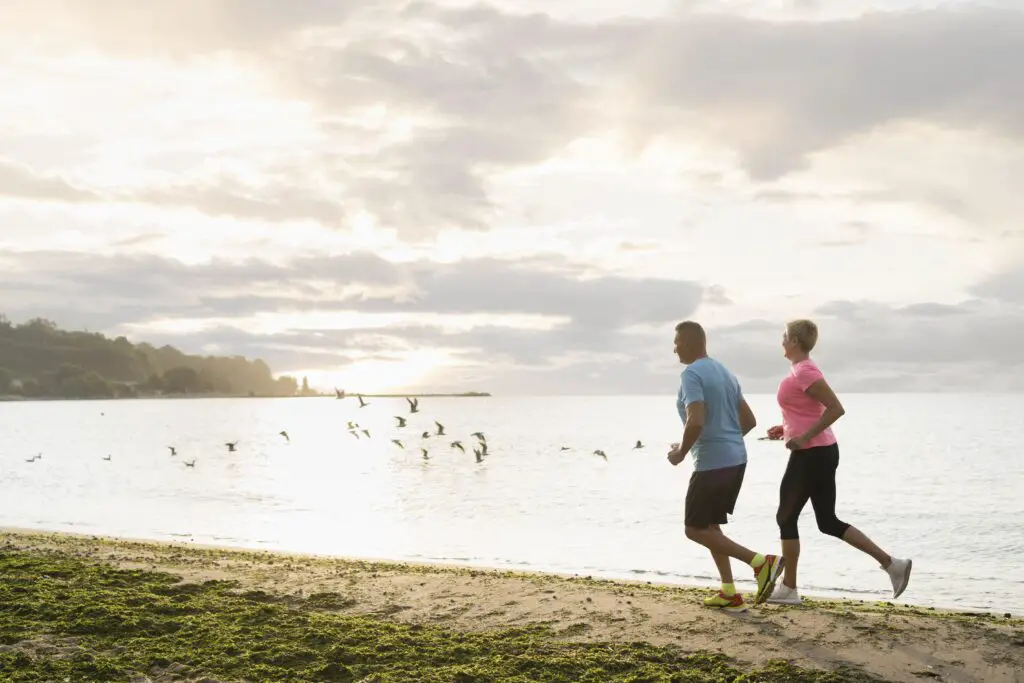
<point x="37" y="359"/>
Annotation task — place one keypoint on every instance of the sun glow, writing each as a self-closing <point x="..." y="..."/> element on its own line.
<point x="375" y="375"/>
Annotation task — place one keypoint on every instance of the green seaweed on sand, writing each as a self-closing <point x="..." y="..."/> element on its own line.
<point x="99" y="623"/>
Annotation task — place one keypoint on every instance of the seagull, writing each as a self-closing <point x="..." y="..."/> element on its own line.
<point x="425" y="456"/>
<point x="638" y="445"/>
<point x="483" y="448"/>
<point x="190" y="464"/>
<point x="354" y="433"/>
<point x="362" y="403"/>
<point x="401" y="420"/>
<point x="480" y="437"/>
<point x="425" y="435"/>
<point x="32" y="459"/>
<point x="479" y="454"/>
<point x="352" y="425"/>
<point x="458" y="444"/>
<point x="339" y="393"/>
<point x="414" y="404"/>
<point x="398" y="443"/>
<point x="366" y="431"/>
<point x="285" y="435"/>
<point x="231" y="446"/>
<point x="564" y="448"/>
<point x="107" y="458"/>
<point x="440" y="428"/>
<point x="601" y="453"/>
<point x="173" y="450"/>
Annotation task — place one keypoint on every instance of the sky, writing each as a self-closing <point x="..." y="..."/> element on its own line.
<point x="523" y="197"/>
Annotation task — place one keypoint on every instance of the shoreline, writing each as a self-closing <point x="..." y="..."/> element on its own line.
<point x="889" y="642"/>
<point x="14" y="398"/>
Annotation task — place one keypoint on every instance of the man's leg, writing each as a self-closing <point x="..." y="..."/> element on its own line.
<point x="723" y="562"/>
<point x="712" y="496"/>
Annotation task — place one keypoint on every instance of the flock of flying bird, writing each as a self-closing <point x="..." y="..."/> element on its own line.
<point x="479" y="450"/>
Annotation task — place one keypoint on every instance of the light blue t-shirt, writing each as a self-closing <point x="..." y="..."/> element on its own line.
<point x="721" y="440"/>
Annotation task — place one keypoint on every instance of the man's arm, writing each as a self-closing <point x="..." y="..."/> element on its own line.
<point x="693" y="396"/>
<point x="694" y="426"/>
<point x="747" y="419"/>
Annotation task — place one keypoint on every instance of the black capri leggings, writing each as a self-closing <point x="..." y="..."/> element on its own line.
<point x="810" y="475"/>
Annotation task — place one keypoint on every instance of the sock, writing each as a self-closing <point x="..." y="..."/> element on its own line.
<point x="757" y="561"/>
<point x="728" y="589"/>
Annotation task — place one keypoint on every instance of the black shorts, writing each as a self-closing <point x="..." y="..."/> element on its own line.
<point x="712" y="495"/>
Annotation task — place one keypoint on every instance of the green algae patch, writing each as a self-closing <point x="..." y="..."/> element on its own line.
<point x="63" y="618"/>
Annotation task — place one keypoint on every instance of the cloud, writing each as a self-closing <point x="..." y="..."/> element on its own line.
<point x="870" y="346"/>
<point x="779" y="91"/>
<point x="17" y="180"/>
<point x="585" y="314"/>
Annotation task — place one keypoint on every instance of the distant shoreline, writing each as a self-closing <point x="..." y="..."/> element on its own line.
<point x="16" y="398"/>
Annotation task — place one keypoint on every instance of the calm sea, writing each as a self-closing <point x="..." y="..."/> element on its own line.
<point x="933" y="477"/>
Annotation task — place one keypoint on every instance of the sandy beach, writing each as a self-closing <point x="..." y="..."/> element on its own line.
<point x="857" y="641"/>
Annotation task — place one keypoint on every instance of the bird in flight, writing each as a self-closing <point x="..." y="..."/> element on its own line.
<point x="458" y="444"/>
<point x="401" y="420"/>
<point x="480" y="437"/>
<point x="362" y="403"/>
<point x="107" y="458"/>
<point x="398" y="443"/>
<point x="601" y="453"/>
<point x="425" y="435"/>
<point x="425" y="456"/>
<point x="190" y="464"/>
<point x="231" y="446"/>
<point x="173" y="450"/>
<point x="479" y="454"/>
<point x="440" y="428"/>
<point x="339" y="392"/>
<point x="285" y="435"/>
<point x="414" y="404"/>
<point x="638" y="445"/>
<point x="564" y="448"/>
<point x="366" y="432"/>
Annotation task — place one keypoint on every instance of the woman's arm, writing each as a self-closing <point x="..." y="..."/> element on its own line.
<point x="823" y="394"/>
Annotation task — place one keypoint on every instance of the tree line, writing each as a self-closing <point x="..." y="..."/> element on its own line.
<point x="38" y="360"/>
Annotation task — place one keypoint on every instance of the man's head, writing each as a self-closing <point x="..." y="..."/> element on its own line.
<point x="691" y="342"/>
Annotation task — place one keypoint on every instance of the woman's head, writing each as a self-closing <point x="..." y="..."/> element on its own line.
<point x="799" y="338"/>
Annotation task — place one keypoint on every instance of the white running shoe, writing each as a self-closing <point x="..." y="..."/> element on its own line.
<point x="784" y="595"/>
<point x="899" y="574"/>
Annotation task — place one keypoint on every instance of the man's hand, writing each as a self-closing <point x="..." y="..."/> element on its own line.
<point x="675" y="456"/>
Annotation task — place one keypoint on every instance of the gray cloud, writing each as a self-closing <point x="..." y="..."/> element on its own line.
<point x="109" y="292"/>
<point x="280" y="202"/>
<point x="596" y="348"/>
<point x="495" y="90"/>
<point x="778" y="91"/>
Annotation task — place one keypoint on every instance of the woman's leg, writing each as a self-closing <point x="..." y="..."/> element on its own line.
<point x="793" y="496"/>
<point x="823" y="499"/>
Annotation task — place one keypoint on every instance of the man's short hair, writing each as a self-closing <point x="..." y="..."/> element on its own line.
<point x="692" y="329"/>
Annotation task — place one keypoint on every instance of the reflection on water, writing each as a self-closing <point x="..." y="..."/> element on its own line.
<point x="528" y="505"/>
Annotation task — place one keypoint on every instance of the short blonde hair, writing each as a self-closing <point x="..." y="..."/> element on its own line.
<point x="804" y="333"/>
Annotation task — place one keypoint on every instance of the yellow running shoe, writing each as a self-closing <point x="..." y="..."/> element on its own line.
<point x="729" y="603"/>
<point x="766" y="574"/>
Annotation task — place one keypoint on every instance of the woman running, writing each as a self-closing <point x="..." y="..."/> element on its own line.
<point x="809" y="408"/>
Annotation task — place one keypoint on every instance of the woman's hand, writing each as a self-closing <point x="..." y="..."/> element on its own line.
<point x="796" y="443"/>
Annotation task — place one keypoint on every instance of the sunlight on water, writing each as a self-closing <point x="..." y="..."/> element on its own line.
<point x="950" y="503"/>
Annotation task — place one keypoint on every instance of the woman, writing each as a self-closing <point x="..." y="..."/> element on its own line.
<point x="809" y="408"/>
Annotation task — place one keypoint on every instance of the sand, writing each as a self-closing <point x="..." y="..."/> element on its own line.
<point x="894" y="642"/>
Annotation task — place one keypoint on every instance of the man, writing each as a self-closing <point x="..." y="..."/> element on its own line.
<point x="716" y="417"/>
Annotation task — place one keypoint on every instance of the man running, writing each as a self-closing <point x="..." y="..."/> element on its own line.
<point x="716" y="417"/>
